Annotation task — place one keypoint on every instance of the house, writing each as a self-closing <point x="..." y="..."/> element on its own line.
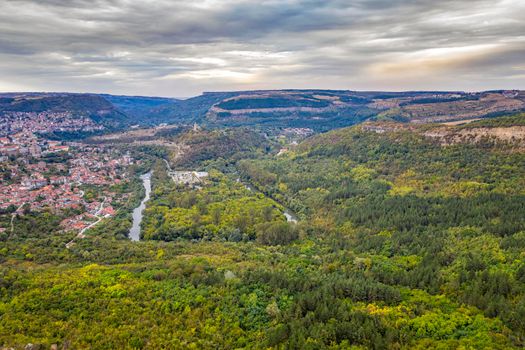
<point x="108" y="211"/>
<point x="34" y="183"/>
<point x="57" y="180"/>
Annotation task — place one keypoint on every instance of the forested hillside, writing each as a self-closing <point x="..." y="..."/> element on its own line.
<point x="455" y="211"/>
<point x="408" y="237"/>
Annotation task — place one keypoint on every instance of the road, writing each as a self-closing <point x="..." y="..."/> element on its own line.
<point x="99" y="219"/>
<point x="97" y="215"/>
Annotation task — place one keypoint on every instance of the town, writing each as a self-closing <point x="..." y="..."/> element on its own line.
<point x="67" y="177"/>
<point x="45" y="122"/>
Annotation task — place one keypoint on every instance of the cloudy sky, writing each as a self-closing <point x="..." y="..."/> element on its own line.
<point x="181" y="48"/>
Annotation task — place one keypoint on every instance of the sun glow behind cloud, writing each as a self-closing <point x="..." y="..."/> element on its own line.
<point x="435" y="60"/>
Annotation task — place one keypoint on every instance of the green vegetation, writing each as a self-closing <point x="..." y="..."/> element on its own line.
<point x="512" y="120"/>
<point x="272" y="102"/>
<point x="213" y="295"/>
<point x="219" y="208"/>
<point x="401" y="244"/>
<point x="219" y="145"/>
<point x="452" y="211"/>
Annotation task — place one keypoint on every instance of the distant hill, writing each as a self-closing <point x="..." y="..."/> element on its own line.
<point x="323" y="110"/>
<point x="78" y="103"/>
<point x="59" y="115"/>
<point x="320" y="110"/>
<point x="190" y="110"/>
<point x="137" y="108"/>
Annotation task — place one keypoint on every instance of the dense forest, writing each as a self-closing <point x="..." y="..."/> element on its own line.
<point x="401" y="243"/>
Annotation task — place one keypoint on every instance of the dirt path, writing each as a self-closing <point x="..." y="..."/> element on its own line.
<point x="13" y="215"/>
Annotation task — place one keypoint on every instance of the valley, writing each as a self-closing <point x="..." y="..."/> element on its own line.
<point x="74" y="115"/>
<point x="403" y="235"/>
<point x="262" y="175"/>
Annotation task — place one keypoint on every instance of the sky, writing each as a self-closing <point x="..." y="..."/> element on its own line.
<point x="182" y="48"/>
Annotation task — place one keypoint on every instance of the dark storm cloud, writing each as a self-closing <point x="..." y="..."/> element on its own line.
<point x="182" y="47"/>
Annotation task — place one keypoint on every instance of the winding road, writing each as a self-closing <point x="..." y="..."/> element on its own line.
<point x="81" y="233"/>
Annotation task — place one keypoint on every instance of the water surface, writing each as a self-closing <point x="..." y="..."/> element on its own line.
<point x="134" y="233"/>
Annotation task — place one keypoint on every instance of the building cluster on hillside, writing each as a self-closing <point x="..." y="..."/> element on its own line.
<point x="382" y="127"/>
<point x="26" y="143"/>
<point x="298" y="132"/>
<point x="291" y="137"/>
<point x="44" y="122"/>
<point x="34" y="182"/>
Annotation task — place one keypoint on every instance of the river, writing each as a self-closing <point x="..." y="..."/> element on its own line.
<point x="134" y="233"/>
<point x="290" y="216"/>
